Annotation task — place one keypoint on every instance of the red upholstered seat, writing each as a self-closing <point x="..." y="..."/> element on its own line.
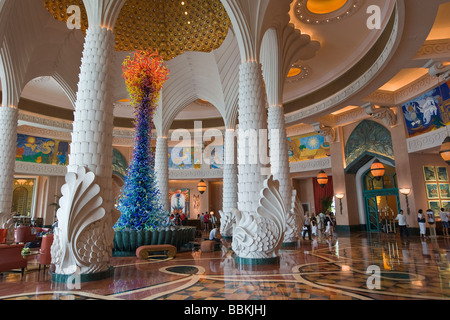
<point x="23" y="234"/>
<point x="11" y="258"/>
<point x="45" y="257"/>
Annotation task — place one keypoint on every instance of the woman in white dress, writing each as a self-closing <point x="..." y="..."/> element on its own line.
<point x="422" y="224"/>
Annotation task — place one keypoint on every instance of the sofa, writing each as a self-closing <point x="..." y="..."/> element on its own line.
<point x="28" y="234"/>
<point x="24" y="234"/>
<point x="11" y="258"/>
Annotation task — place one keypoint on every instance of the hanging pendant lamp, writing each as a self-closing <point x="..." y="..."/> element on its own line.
<point x="322" y="178"/>
<point x="377" y="169"/>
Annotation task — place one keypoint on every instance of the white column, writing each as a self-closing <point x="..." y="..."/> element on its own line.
<point x="252" y="119"/>
<point x="279" y="160"/>
<point x="260" y="218"/>
<point x="162" y="170"/>
<point x="8" y="144"/>
<point x="93" y="117"/>
<point x="83" y="240"/>
<point x="230" y="183"/>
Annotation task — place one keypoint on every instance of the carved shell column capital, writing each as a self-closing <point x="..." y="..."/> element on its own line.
<point x="385" y="114"/>
<point x="325" y="131"/>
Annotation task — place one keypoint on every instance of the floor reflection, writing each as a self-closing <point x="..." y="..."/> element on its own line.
<point x="357" y="267"/>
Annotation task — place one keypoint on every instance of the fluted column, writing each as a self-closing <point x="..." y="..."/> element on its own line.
<point x="279" y="160"/>
<point x="251" y="120"/>
<point x="162" y="170"/>
<point x="83" y="240"/>
<point x="279" y="157"/>
<point x="8" y="144"/>
<point x="93" y="117"/>
<point x="230" y="183"/>
<point x="260" y="217"/>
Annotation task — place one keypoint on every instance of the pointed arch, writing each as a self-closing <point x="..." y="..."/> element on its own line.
<point x="371" y="139"/>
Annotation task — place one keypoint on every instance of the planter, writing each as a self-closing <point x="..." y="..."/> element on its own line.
<point x="127" y="242"/>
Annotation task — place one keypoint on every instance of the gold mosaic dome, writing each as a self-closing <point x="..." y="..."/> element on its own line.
<point x="170" y="26"/>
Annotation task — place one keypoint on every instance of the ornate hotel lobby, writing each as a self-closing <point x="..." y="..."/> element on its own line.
<point x="337" y="268"/>
<point x="178" y="150"/>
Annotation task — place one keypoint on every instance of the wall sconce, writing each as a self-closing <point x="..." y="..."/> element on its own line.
<point x="201" y="186"/>
<point x="406" y="192"/>
<point x="340" y="196"/>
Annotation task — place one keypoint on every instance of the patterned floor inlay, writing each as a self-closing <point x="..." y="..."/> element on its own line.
<point x="358" y="267"/>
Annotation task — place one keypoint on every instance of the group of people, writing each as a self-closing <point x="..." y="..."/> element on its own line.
<point x="429" y="217"/>
<point x="318" y="225"/>
<point x="422" y="219"/>
<point x="208" y="221"/>
<point x="177" y="219"/>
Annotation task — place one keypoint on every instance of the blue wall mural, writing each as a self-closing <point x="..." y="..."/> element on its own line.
<point x="41" y="150"/>
<point x="428" y="112"/>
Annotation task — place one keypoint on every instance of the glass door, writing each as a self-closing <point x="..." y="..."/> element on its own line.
<point x="372" y="214"/>
<point x="381" y="200"/>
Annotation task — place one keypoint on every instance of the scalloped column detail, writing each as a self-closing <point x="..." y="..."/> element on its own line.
<point x="230" y="183"/>
<point x="259" y="234"/>
<point x="91" y="145"/>
<point x="84" y="238"/>
<point x="162" y="170"/>
<point x="252" y="119"/>
<point x="8" y="144"/>
<point x="279" y="160"/>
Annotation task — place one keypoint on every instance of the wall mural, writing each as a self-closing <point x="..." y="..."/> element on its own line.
<point x="42" y="150"/>
<point x="179" y="201"/>
<point x="368" y="136"/>
<point x="428" y="112"/>
<point x="185" y="158"/>
<point x="437" y="188"/>
<point x="307" y="147"/>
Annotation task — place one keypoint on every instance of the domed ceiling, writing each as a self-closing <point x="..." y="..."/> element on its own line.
<point x="347" y="46"/>
<point x="170" y="26"/>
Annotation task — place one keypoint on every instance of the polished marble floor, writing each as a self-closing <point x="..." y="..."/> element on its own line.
<point x="359" y="266"/>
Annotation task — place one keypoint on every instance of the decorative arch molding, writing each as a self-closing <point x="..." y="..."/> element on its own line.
<point x="369" y="137"/>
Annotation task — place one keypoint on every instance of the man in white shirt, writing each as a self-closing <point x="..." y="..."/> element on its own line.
<point x="402" y="224"/>
<point x="444" y="219"/>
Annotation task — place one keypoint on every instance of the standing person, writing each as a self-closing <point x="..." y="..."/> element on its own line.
<point x="314" y="225"/>
<point x="307" y="224"/>
<point x="444" y="220"/>
<point x="213" y="221"/>
<point x="430" y="219"/>
<point x="320" y="225"/>
<point x="184" y="219"/>
<point x="202" y="224"/>
<point x="402" y="223"/>
<point x="206" y="220"/>
<point x="422" y="224"/>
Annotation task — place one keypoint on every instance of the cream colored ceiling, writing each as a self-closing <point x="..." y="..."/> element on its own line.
<point x="403" y="78"/>
<point x="343" y="43"/>
<point x="441" y="27"/>
<point x="439" y="31"/>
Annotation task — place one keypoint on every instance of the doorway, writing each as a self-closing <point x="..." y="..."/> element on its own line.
<point x="381" y="198"/>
